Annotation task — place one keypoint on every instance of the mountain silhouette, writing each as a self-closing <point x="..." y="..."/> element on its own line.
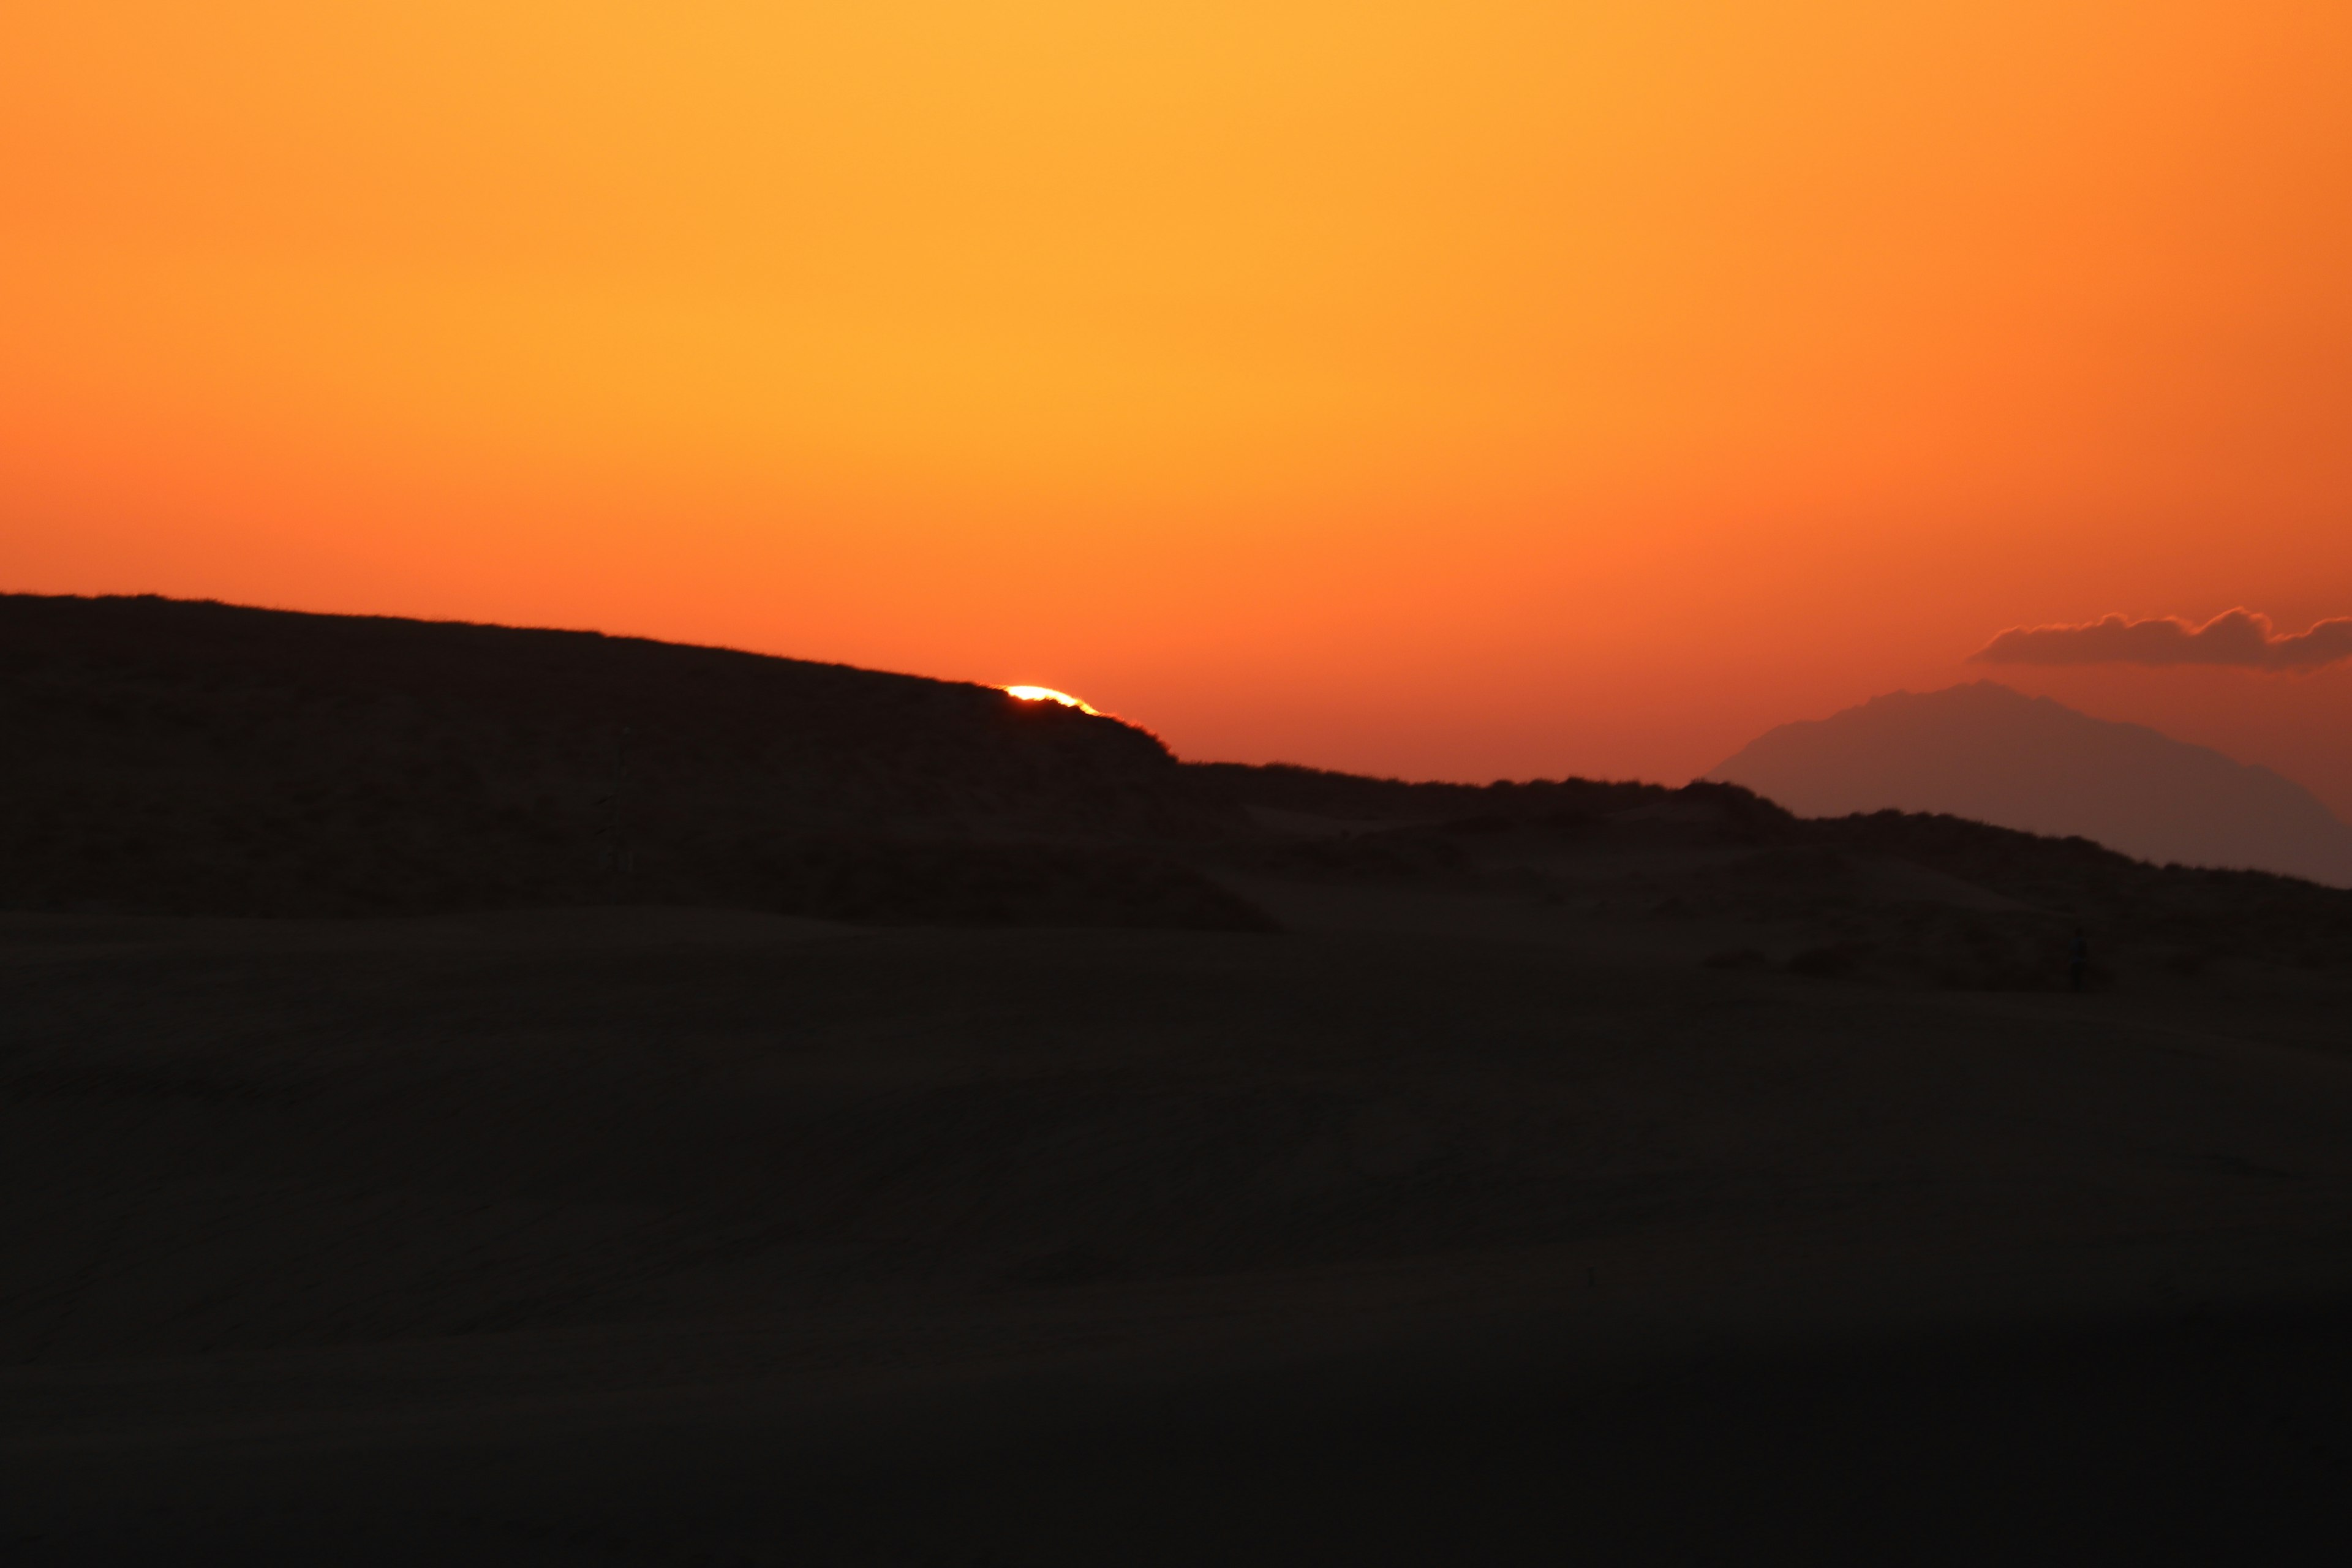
<point x="177" y="758"/>
<point x="1985" y="752"/>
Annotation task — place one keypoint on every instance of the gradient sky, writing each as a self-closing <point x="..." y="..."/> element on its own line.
<point x="1452" y="389"/>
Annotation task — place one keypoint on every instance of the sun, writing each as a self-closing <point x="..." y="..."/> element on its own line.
<point x="1047" y="694"/>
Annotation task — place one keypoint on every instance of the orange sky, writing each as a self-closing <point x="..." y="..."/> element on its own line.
<point x="1455" y="389"/>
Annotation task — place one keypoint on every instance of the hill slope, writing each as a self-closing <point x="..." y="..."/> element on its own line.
<point x="1987" y="752"/>
<point x="175" y="758"/>
<point x="168" y="756"/>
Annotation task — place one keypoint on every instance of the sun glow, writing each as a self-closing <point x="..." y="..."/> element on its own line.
<point x="1047" y="694"/>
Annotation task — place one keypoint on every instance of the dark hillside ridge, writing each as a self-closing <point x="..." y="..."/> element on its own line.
<point x="176" y="757"/>
<point x="2187" y="915"/>
<point x="1757" y="864"/>
<point x="1351" y="798"/>
<point x="169" y="757"/>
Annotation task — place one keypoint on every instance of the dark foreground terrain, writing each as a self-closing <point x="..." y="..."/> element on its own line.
<point x="645" y="1236"/>
<point x="480" y="1096"/>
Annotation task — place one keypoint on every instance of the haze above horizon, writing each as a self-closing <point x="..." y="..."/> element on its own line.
<point x="1450" y="391"/>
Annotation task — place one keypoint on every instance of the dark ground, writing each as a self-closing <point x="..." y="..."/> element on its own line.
<point x="851" y="1117"/>
<point x="2218" y="1439"/>
<point x="650" y="1237"/>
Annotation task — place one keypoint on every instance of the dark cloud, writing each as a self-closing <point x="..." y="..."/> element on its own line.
<point x="2238" y="639"/>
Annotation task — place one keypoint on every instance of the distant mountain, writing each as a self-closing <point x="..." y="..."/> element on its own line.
<point x="1985" y="752"/>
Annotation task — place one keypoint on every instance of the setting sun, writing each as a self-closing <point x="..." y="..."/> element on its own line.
<point x="1047" y="694"/>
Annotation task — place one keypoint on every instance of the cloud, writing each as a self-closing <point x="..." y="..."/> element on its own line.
<point x="2238" y="639"/>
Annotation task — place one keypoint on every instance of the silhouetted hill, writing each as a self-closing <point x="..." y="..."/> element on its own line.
<point x="1354" y="798"/>
<point x="171" y="757"/>
<point x="1992" y="754"/>
<point x="1889" y="896"/>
